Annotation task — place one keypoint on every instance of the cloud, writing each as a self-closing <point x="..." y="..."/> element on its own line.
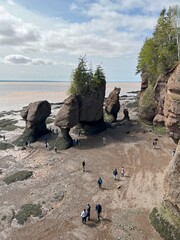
<point x="11" y="2"/>
<point x="17" y="59"/>
<point x="24" y="60"/>
<point x="15" y="32"/>
<point x="108" y="29"/>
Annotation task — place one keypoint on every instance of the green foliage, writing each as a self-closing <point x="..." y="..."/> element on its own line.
<point x="83" y="80"/>
<point x="133" y="104"/>
<point x="160" y="52"/>
<point x="5" y="145"/>
<point x="159" y="130"/>
<point x="18" y="176"/>
<point x="3" y="218"/>
<point x="26" y="211"/>
<point x="8" y="124"/>
<point x="165" y="225"/>
<point x="147" y="105"/>
<point x="98" y="78"/>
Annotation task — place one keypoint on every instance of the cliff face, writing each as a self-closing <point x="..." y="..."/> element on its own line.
<point x="172" y="179"/>
<point x="162" y="105"/>
<point x="172" y="104"/>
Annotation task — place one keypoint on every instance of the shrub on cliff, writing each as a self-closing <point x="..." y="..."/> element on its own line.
<point x="147" y="105"/>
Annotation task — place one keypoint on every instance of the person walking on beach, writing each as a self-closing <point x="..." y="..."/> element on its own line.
<point x="115" y="173"/>
<point x="122" y="171"/>
<point x="98" y="210"/>
<point x="100" y="182"/>
<point x="126" y="114"/>
<point x="55" y="149"/>
<point x="26" y="143"/>
<point x="173" y="152"/>
<point x="88" y="209"/>
<point x="104" y="140"/>
<point x="47" y="146"/>
<point x="83" y="166"/>
<point x="155" y="143"/>
<point x="84" y="216"/>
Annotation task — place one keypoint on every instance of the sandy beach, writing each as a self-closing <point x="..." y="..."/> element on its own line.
<point x="63" y="190"/>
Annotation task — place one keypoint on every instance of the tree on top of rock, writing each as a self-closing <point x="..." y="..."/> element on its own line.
<point x="99" y="78"/>
<point x="83" y="79"/>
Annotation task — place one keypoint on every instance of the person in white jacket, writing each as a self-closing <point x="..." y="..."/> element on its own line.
<point x="84" y="216"/>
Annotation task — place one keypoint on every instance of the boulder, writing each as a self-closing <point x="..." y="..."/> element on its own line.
<point x="68" y="115"/>
<point x="158" y="120"/>
<point x="112" y="105"/>
<point x="91" y="119"/>
<point x="86" y="111"/>
<point x="91" y="105"/>
<point x="35" y="116"/>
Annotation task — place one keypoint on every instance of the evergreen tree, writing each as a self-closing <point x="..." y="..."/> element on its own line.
<point x="98" y="78"/>
<point x="80" y="78"/>
<point x="83" y="80"/>
<point x="160" y="53"/>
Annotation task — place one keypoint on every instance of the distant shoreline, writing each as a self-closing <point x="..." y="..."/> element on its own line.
<point x="56" y="81"/>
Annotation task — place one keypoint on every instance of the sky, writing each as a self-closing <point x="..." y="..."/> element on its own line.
<point x="44" y="39"/>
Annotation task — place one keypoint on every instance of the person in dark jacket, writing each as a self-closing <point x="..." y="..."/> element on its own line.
<point x="100" y="182"/>
<point x="98" y="210"/>
<point x="88" y="210"/>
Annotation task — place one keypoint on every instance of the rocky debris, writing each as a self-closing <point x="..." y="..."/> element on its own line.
<point x="35" y="116"/>
<point x="144" y="81"/>
<point x="158" y="120"/>
<point x="172" y="179"/>
<point x="112" y="105"/>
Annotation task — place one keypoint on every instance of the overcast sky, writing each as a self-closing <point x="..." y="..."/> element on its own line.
<point x="43" y="39"/>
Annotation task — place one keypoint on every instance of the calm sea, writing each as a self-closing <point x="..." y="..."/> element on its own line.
<point x="15" y="95"/>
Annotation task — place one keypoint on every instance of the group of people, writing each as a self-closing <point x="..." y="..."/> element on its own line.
<point x="100" y="181"/>
<point x="86" y="213"/>
<point x="115" y="172"/>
